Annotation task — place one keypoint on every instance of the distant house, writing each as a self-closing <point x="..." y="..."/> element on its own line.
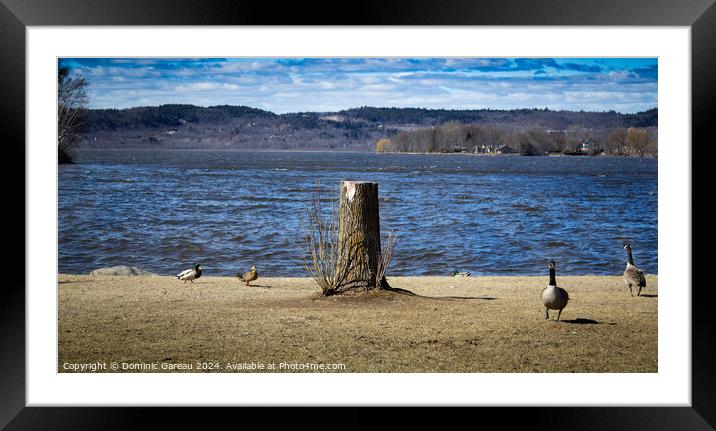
<point x="505" y="149"/>
<point x="486" y="149"/>
<point x="586" y="148"/>
<point x="589" y="147"/>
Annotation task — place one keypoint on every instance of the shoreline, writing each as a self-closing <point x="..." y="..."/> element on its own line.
<point x="150" y="274"/>
<point x="262" y="150"/>
<point x="452" y="324"/>
<point x="577" y="156"/>
<point x="235" y="150"/>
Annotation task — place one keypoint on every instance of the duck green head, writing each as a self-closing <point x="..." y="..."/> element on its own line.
<point x="196" y="266"/>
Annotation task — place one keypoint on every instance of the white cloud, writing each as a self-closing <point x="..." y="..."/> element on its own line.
<point x="293" y="85"/>
<point x="206" y="86"/>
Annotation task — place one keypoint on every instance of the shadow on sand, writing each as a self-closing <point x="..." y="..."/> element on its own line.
<point x="581" y="321"/>
<point x="410" y="293"/>
<point x="484" y="298"/>
<point x="648" y="296"/>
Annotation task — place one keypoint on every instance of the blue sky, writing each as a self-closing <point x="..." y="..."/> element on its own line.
<point x="285" y="85"/>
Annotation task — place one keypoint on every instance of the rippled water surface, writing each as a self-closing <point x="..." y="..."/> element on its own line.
<point x="165" y="210"/>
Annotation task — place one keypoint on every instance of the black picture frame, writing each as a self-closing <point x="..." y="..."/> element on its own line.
<point x="16" y="15"/>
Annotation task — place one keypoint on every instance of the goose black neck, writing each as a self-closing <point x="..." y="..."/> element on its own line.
<point x="552" y="280"/>
<point x="630" y="260"/>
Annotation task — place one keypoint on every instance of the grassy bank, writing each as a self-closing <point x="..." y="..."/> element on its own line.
<point x="471" y="324"/>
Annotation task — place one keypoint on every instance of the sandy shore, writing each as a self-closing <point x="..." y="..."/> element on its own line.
<point x="471" y="324"/>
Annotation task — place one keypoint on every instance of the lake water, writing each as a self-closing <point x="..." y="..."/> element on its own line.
<point x="165" y="210"/>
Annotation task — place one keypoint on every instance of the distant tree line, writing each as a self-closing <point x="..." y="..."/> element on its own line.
<point x="522" y="118"/>
<point x="454" y="137"/>
<point x="406" y="129"/>
<point x="167" y="116"/>
<point x="358" y="118"/>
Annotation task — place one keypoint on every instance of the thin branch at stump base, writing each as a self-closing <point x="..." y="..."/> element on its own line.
<point x="344" y="253"/>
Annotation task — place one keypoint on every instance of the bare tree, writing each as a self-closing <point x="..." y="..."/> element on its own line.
<point x="450" y="136"/>
<point x="653" y="145"/>
<point x="616" y="141"/>
<point x="637" y="141"/>
<point x="575" y="136"/>
<point x="71" y="101"/>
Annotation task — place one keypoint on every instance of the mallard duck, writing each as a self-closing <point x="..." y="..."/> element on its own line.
<point x="190" y="274"/>
<point x="250" y="276"/>
<point x="553" y="297"/>
<point x="633" y="276"/>
<point x="461" y="274"/>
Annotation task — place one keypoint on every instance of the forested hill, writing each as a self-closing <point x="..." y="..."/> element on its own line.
<point x="241" y="127"/>
<point x="518" y="118"/>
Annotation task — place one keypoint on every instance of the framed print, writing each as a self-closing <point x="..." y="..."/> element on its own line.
<point x="211" y="141"/>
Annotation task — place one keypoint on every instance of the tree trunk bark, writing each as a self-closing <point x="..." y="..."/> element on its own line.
<point x="359" y="234"/>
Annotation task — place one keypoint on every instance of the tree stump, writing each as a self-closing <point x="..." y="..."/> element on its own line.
<point x="359" y="234"/>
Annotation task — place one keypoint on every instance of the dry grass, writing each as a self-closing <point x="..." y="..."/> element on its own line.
<point x="471" y="324"/>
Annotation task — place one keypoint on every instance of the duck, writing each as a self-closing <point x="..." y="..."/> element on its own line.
<point x="461" y="273"/>
<point x="248" y="277"/>
<point x="190" y="274"/>
<point x="633" y="276"/>
<point x="553" y="297"/>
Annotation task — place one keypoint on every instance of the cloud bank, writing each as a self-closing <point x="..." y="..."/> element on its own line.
<point x="285" y="85"/>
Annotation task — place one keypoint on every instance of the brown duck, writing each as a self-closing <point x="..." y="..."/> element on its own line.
<point x="248" y="277"/>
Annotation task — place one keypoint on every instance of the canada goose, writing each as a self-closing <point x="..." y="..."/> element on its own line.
<point x="249" y="276"/>
<point x="190" y="274"/>
<point x="553" y="297"/>
<point x="633" y="276"/>
<point x="461" y="273"/>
